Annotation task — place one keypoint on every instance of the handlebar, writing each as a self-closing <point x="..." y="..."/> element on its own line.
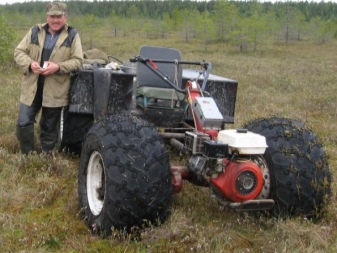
<point x="151" y="64"/>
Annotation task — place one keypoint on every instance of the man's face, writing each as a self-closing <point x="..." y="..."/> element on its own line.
<point x="56" y="22"/>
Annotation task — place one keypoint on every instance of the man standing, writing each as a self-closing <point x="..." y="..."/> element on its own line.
<point x="47" y="54"/>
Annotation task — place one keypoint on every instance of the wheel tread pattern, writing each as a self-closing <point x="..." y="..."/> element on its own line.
<point x="138" y="176"/>
<point x="298" y="164"/>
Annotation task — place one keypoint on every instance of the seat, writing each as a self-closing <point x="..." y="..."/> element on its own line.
<point x="152" y="90"/>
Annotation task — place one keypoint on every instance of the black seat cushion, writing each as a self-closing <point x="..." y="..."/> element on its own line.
<point x="146" y="77"/>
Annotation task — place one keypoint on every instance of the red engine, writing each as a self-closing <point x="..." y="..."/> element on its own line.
<point x="240" y="181"/>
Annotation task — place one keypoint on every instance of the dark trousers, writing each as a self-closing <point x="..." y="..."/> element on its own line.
<point x="50" y="118"/>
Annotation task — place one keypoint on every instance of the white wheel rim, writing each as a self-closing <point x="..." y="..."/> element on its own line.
<point x="266" y="176"/>
<point x="94" y="182"/>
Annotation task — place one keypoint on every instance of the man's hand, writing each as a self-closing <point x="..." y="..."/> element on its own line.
<point x="49" y="68"/>
<point x="36" y="68"/>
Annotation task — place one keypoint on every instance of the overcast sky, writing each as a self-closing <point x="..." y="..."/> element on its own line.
<point x="18" y="1"/>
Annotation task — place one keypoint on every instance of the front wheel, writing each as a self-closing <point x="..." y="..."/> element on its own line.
<point x="299" y="170"/>
<point x="124" y="177"/>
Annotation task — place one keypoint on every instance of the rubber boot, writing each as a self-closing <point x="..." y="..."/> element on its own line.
<point x="48" y="141"/>
<point x="25" y="136"/>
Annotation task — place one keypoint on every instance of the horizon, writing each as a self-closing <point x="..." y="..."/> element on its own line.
<point x="4" y="2"/>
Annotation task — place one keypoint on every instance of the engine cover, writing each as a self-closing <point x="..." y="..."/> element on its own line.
<point x="241" y="181"/>
<point x="242" y="141"/>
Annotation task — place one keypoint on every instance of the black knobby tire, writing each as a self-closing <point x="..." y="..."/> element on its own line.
<point x="130" y="159"/>
<point x="298" y="164"/>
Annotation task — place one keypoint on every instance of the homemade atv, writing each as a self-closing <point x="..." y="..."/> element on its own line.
<point x="122" y="121"/>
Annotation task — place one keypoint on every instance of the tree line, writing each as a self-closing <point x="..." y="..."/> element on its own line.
<point x="157" y="9"/>
<point x="243" y="24"/>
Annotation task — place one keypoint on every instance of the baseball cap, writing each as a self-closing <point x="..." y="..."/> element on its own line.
<point x="56" y="8"/>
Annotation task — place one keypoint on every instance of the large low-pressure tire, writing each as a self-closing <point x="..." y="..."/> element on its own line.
<point x="299" y="170"/>
<point x="124" y="177"/>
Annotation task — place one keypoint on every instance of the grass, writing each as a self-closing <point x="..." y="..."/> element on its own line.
<point x="38" y="196"/>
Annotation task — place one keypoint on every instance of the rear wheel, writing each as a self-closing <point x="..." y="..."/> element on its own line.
<point x="124" y="176"/>
<point x="299" y="170"/>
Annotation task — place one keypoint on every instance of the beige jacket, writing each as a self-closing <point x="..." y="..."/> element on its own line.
<point x="68" y="55"/>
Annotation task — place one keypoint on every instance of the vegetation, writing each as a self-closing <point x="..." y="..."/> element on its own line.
<point x="246" y="25"/>
<point x="38" y="196"/>
<point x="6" y="40"/>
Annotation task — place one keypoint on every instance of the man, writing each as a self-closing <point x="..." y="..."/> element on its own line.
<point x="47" y="54"/>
